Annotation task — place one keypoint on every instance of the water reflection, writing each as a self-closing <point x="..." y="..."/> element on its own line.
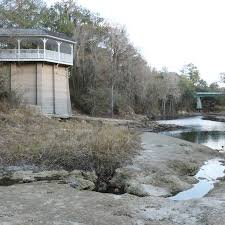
<point x="212" y="139"/>
<point x="208" y="133"/>
<point x="207" y="177"/>
<point x="205" y="132"/>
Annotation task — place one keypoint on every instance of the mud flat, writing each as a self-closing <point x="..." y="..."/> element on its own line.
<point x="164" y="167"/>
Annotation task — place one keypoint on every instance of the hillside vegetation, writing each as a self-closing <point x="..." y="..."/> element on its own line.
<point x="110" y="76"/>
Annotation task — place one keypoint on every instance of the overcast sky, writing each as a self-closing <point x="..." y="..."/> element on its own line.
<point x="172" y="33"/>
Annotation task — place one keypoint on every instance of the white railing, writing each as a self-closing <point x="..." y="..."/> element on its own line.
<point x="35" y="55"/>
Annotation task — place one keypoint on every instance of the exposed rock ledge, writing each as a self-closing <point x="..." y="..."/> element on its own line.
<point x="166" y="165"/>
<point x="80" y="180"/>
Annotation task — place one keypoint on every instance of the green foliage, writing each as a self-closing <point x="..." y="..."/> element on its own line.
<point x="109" y="75"/>
<point x="192" y="73"/>
<point x="214" y="86"/>
<point x="188" y="92"/>
<point x="22" y="13"/>
<point x="191" y="83"/>
<point x="202" y="85"/>
<point x="58" y="19"/>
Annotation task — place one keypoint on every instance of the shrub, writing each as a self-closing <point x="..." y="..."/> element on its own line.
<point x="111" y="148"/>
<point x="28" y="138"/>
<point x="7" y="96"/>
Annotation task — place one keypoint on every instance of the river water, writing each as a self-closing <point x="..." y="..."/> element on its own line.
<point x="208" y="133"/>
<point x="205" y="132"/>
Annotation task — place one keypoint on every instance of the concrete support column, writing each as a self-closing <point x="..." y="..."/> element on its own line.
<point x="199" y="103"/>
<point x="39" y="83"/>
<point x="54" y="71"/>
<point x="69" y="107"/>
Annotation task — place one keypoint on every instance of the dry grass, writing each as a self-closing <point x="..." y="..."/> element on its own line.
<point x="184" y="168"/>
<point x="29" y="138"/>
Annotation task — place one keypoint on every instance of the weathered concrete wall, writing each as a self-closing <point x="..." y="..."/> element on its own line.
<point x="47" y="99"/>
<point x="55" y="90"/>
<point x="45" y="85"/>
<point x="61" y="87"/>
<point x="39" y="83"/>
<point x="23" y="81"/>
<point x="5" y="77"/>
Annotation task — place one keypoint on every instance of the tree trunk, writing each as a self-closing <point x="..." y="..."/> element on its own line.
<point x="112" y="100"/>
<point x="164" y="107"/>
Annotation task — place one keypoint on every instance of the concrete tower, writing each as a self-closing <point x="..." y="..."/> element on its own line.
<point x="36" y="63"/>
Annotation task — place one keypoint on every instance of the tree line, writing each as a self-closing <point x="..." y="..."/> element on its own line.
<point x="109" y="76"/>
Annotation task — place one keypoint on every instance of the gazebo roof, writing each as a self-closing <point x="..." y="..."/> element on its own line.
<point x="15" y="32"/>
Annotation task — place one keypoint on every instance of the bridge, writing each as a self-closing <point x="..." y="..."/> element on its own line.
<point x="200" y="95"/>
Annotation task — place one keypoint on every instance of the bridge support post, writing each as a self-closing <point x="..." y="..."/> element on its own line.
<point x="199" y="104"/>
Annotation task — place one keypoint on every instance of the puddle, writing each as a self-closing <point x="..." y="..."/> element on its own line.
<point x="207" y="177"/>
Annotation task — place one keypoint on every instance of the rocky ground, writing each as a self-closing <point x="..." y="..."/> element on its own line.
<point x="139" y="122"/>
<point x="51" y="203"/>
<point x="214" y="117"/>
<point x="165" y="166"/>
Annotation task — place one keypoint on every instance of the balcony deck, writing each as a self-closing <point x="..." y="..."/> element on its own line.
<point x="26" y="55"/>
